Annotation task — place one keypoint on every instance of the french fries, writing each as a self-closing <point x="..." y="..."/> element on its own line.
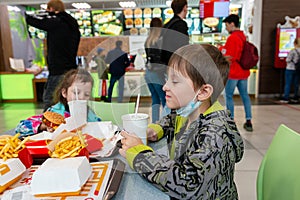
<point x="10" y="146"/>
<point x="67" y="147"/>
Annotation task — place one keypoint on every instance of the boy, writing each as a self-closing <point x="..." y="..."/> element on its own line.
<point x="204" y="142"/>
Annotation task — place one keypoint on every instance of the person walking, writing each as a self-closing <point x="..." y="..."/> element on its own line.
<point x="292" y="75"/>
<point x="175" y="32"/>
<point x="118" y="61"/>
<point x="238" y="77"/>
<point x="155" y="72"/>
<point x="102" y="72"/>
<point x="63" y="38"/>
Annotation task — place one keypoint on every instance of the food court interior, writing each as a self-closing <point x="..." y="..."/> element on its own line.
<point x="106" y="21"/>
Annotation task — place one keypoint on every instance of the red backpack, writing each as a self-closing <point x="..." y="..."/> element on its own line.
<point x="249" y="57"/>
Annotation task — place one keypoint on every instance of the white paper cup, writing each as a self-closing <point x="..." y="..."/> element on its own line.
<point x="78" y="111"/>
<point x="137" y="124"/>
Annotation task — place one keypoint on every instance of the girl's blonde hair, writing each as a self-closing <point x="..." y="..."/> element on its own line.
<point x="155" y="30"/>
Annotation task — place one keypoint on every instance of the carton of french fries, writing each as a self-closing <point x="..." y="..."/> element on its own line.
<point x="68" y="144"/>
<point x="13" y="147"/>
<point x="14" y="159"/>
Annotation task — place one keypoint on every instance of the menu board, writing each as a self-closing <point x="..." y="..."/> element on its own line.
<point x="84" y="21"/>
<point x="193" y="21"/>
<point x="36" y="33"/>
<point x="106" y="22"/>
<point x="137" y="21"/>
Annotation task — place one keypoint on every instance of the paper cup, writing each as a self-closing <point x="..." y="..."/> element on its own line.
<point x="137" y="124"/>
<point x="78" y="111"/>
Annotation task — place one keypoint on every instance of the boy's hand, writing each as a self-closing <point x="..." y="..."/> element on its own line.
<point x="128" y="141"/>
<point x="151" y="135"/>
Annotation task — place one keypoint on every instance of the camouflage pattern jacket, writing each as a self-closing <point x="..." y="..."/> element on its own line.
<point x="202" y="158"/>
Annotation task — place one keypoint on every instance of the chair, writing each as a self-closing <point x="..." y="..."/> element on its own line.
<point x="112" y="111"/>
<point x="279" y="173"/>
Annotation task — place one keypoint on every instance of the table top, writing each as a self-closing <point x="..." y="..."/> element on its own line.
<point x="134" y="186"/>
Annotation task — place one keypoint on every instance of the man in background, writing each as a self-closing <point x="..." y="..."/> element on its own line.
<point x="175" y="33"/>
<point x="238" y="77"/>
<point x="118" y="61"/>
<point x="63" y="38"/>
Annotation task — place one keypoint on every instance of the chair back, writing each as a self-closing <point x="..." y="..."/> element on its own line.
<point x="279" y="173"/>
<point x="112" y="111"/>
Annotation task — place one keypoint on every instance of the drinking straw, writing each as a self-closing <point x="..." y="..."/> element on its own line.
<point x="137" y="104"/>
<point x="76" y="92"/>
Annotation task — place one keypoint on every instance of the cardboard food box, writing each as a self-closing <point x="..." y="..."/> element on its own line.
<point x="11" y="171"/>
<point x="56" y="176"/>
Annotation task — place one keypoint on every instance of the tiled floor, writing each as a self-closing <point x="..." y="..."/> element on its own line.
<point x="267" y="116"/>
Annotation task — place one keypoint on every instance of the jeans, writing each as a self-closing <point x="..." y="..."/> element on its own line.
<point x="49" y="89"/>
<point x="113" y="80"/>
<point x="242" y="86"/>
<point x="291" y="77"/>
<point x="155" y="84"/>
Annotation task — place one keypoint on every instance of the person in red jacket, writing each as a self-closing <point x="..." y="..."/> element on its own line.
<point x="238" y="77"/>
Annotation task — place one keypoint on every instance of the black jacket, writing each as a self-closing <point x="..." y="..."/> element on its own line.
<point x="63" y="38"/>
<point x="175" y="35"/>
<point x="118" y="61"/>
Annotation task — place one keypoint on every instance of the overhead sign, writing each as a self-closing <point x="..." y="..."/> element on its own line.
<point x="214" y="8"/>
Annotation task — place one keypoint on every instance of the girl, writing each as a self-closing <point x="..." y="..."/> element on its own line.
<point x="204" y="142"/>
<point x="74" y="80"/>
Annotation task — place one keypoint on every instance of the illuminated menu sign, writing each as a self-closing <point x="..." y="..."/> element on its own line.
<point x="214" y="8"/>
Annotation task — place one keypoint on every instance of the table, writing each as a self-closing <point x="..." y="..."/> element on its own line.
<point x="135" y="187"/>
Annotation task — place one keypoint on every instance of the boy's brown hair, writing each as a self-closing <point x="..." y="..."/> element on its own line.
<point x="203" y="64"/>
<point x="57" y="5"/>
<point x="69" y="78"/>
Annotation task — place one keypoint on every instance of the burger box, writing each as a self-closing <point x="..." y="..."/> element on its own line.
<point x="11" y="171"/>
<point x="56" y="176"/>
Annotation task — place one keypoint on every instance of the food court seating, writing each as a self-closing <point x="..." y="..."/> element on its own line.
<point x="279" y="173"/>
<point x="112" y="111"/>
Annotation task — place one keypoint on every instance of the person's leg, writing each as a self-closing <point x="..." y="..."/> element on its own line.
<point x="121" y="89"/>
<point x="112" y="82"/>
<point x="229" y="90"/>
<point x="296" y="85"/>
<point x="155" y="102"/>
<point x="49" y="89"/>
<point x="150" y="78"/>
<point x="288" y="82"/>
<point x="242" y="86"/>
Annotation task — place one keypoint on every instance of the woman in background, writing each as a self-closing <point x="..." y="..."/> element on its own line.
<point x="155" y="72"/>
<point x="292" y="75"/>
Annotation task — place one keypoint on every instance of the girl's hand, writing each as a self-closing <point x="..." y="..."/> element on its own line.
<point x="44" y="127"/>
<point x="151" y="135"/>
<point x="128" y="141"/>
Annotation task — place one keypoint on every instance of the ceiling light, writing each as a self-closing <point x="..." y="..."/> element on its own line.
<point x="81" y="5"/>
<point x="43" y="6"/>
<point x="168" y="3"/>
<point x="127" y="4"/>
<point x="13" y="8"/>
